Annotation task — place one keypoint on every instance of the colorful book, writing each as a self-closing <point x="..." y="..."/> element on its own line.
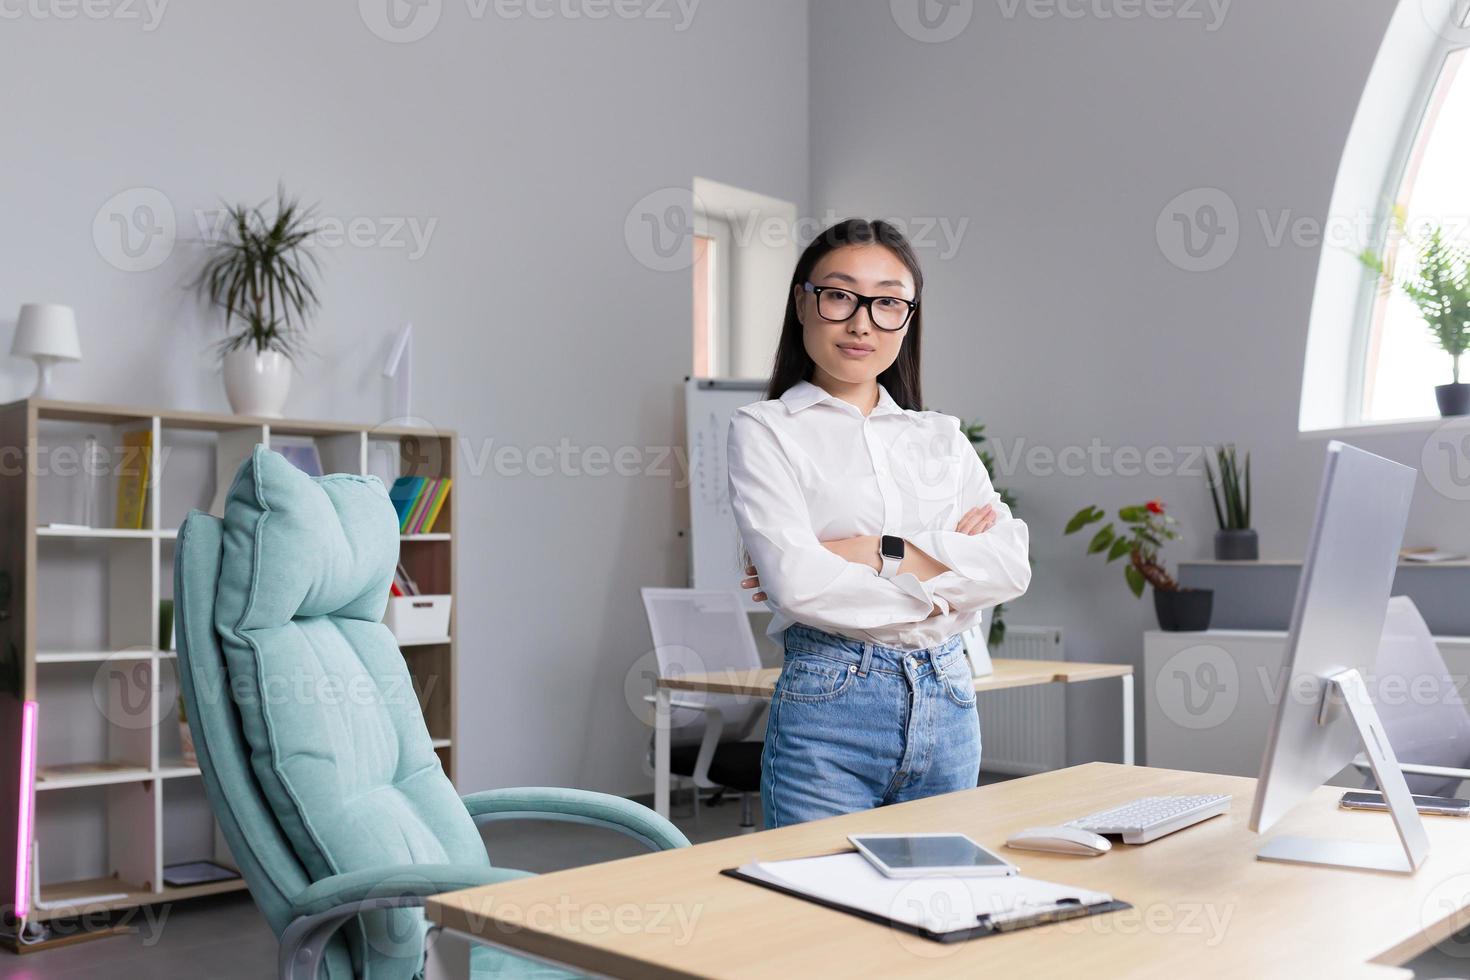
<point x="421" y="502"/>
<point x="404" y="492"/>
<point x="431" y="513"/>
<point x="132" y="478"/>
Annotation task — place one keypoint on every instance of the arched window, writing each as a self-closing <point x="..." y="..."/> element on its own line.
<point x="1371" y="359"/>
<point x="1403" y="362"/>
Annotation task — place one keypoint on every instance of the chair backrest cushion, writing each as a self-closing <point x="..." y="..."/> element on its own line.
<point x="1418" y="701"/>
<point x="327" y="706"/>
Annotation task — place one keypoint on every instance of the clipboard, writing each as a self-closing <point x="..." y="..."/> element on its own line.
<point x="986" y="924"/>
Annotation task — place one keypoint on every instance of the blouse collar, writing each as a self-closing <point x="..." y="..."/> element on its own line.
<point x="804" y="394"/>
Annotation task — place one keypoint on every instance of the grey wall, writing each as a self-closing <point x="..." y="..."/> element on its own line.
<point x="529" y="142"/>
<point x="1061" y="319"/>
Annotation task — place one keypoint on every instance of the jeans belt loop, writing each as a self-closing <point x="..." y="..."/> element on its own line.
<point x="867" y="659"/>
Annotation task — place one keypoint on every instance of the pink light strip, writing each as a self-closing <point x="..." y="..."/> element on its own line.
<point x="27" y="799"/>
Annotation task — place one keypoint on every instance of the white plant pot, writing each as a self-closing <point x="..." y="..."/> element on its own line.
<point x="257" y="384"/>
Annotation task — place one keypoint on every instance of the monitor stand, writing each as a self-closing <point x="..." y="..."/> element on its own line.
<point x="1413" y="846"/>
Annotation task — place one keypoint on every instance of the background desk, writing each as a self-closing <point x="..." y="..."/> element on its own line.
<point x="1203" y="905"/>
<point x="762" y="683"/>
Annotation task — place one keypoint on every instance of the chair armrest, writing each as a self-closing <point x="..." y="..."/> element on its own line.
<point x="577" y="806"/>
<point x="396" y="881"/>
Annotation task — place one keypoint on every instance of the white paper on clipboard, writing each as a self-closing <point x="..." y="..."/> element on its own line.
<point x="937" y="903"/>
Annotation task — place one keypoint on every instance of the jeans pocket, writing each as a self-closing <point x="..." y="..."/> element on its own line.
<point x="959" y="682"/>
<point x="812" y="679"/>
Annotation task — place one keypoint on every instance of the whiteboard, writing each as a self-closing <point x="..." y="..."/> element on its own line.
<point x="714" y="549"/>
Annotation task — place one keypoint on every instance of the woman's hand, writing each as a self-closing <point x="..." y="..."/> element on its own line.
<point x="752" y="582"/>
<point x="977" y="520"/>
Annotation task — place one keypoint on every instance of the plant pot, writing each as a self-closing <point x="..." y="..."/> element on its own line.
<point x="1236" y="544"/>
<point x="257" y="383"/>
<point x="1184" y="610"/>
<point x="1454" y="399"/>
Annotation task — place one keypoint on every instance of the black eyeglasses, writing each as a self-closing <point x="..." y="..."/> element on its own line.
<point x="837" y="304"/>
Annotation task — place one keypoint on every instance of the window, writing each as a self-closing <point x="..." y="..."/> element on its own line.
<point x="1370" y="359"/>
<point x="744" y="251"/>
<point x="1403" y="362"/>
<point x="714" y="247"/>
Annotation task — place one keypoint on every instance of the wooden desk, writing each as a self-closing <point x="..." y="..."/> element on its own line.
<point x="762" y="683"/>
<point x="1203" y="905"/>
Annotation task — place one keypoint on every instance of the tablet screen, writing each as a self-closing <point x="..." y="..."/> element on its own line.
<point x="941" y="851"/>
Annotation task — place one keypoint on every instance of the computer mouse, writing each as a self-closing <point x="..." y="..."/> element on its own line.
<point x="1060" y="840"/>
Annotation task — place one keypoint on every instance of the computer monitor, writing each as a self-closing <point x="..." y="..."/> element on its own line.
<point x="1324" y="714"/>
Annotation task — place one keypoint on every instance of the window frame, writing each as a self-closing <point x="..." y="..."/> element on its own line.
<point x="1372" y="309"/>
<point x="1395" y="100"/>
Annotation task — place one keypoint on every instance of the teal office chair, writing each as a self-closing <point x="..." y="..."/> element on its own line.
<point x="310" y="738"/>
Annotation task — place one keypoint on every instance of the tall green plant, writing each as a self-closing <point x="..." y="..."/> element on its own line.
<point x="262" y="274"/>
<point x="1436" y="277"/>
<point x="1231" y="491"/>
<point x="975" y="432"/>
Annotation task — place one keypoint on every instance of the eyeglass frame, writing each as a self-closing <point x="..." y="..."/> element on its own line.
<point x="864" y="303"/>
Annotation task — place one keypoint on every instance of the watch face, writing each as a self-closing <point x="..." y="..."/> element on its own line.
<point x="891" y="546"/>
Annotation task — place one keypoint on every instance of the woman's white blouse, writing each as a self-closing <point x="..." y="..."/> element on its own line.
<point x="808" y="467"/>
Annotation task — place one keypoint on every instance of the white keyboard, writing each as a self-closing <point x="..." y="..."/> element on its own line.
<point x="1151" y="817"/>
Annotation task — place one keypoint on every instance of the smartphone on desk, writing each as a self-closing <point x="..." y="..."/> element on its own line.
<point x="918" y="855"/>
<point x="1444" y="806"/>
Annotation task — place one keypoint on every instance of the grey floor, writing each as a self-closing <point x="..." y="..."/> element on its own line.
<point x="225" y="938"/>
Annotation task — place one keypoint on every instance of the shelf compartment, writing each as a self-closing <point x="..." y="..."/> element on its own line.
<point x="97" y="840"/>
<point x="430" y="671"/>
<point x="61" y="474"/>
<point x="95" y="722"/>
<point x="199" y="464"/>
<point x="108" y="582"/>
<point x="188" y="823"/>
<point x="427" y="455"/>
<point x="134" y="896"/>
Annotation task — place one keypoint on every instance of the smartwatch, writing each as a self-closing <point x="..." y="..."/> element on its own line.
<point x="890" y="546"/>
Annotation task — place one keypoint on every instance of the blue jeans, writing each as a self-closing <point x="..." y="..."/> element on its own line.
<point x="854" y="725"/>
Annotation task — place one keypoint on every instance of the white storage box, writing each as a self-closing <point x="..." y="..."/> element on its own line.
<point x="418" y="617"/>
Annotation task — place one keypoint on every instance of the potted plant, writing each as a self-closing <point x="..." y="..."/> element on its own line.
<point x="1231" y="494"/>
<point x="1145" y="529"/>
<point x="975" y="432"/>
<point x="1437" y="279"/>
<point x="262" y="274"/>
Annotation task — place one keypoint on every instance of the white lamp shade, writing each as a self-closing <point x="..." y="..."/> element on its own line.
<point x="47" y="330"/>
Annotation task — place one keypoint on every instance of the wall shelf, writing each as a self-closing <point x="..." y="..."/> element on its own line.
<point x="114" y="800"/>
<point x="79" y="775"/>
<point x="424" y="641"/>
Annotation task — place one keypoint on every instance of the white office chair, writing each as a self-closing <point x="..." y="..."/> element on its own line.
<point x="1421" y="707"/>
<point x="698" y="631"/>
<point x="976" y="649"/>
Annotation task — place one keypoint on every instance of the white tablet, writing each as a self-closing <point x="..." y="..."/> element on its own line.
<point x="919" y="855"/>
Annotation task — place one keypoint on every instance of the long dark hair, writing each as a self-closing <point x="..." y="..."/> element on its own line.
<point x="794" y="364"/>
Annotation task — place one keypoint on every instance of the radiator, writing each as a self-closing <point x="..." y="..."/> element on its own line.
<point x="1023" y="730"/>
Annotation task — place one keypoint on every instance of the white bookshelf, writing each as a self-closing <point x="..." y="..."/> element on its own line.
<point x="114" y="800"/>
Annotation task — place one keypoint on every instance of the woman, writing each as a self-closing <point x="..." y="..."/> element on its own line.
<point x="875" y="536"/>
